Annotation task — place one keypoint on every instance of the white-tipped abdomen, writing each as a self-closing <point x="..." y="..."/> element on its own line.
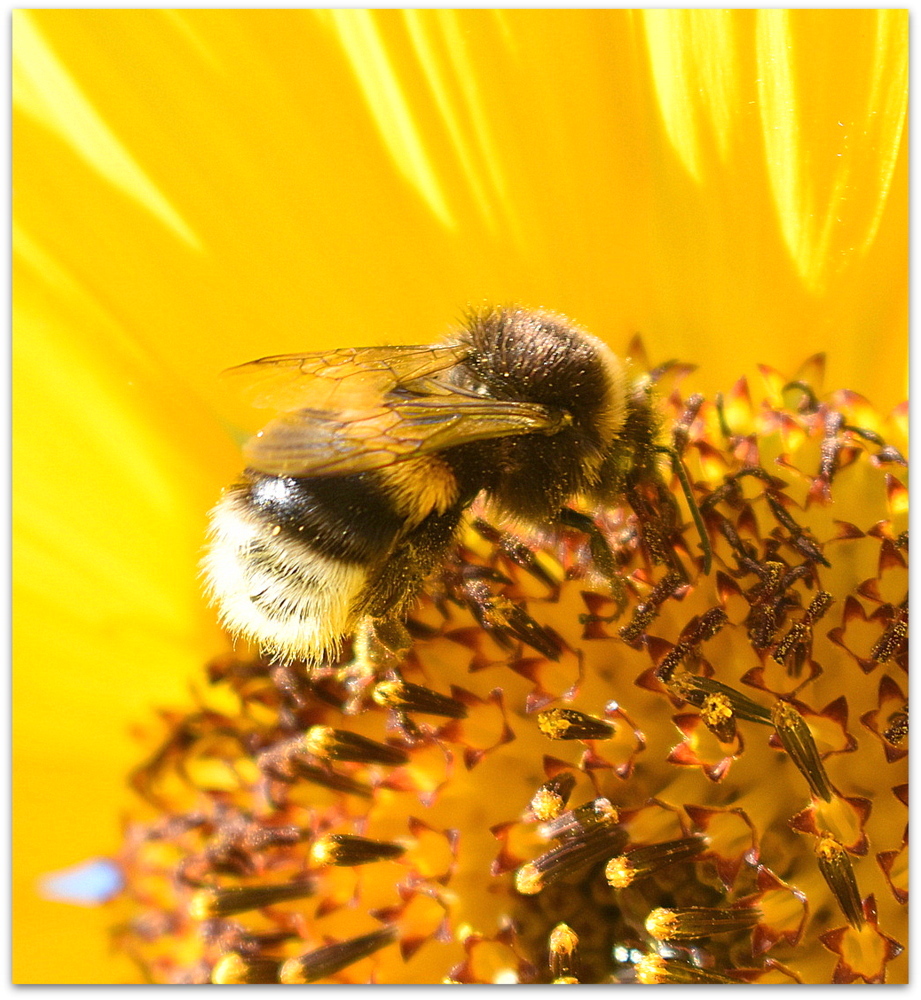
<point x="271" y="589"/>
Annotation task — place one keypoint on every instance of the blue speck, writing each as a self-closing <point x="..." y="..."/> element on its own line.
<point x="86" y="884"/>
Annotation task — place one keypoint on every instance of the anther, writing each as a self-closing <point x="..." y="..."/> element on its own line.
<point x="340" y="744"/>
<point x="797" y="739"/>
<point x="569" y="724"/>
<point x="625" y="869"/>
<point x="696" y="922"/>
<point x="580" y="821"/>
<point x="695" y="689"/>
<point x="415" y="698"/>
<point x="550" y="799"/>
<point x="897" y="729"/>
<point x="239" y="970"/>
<point x="345" y="849"/>
<point x="653" y="970"/>
<point x="563" y="944"/>
<point x="327" y="961"/>
<point x="837" y="870"/>
<point x="207" y="903"/>
<point x="573" y="854"/>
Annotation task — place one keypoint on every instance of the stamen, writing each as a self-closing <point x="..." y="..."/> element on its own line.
<point x="563" y="944"/>
<point x="504" y="619"/>
<point x="797" y="740"/>
<point x="624" y="870"/>
<point x="794" y="647"/>
<point x="700" y="922"/>
<point x="695" y="690"/>
<point x="717" y="715"/>
<point x="897" y="729"/>
<point x="573" y="854"/>
<point x="340" y="744"/>
<point x="837" y="870"/>
<point x="568" y="724"/>
<point x="891" y="641"/>
<point x="645" y="612"/>
<point x="207" y="903"/>
<point x="580" y="821"/>
<point x="514" y="549"/>
<point x="653" y="970"/>
<point x="345" y="849"/>
<point x="818" y="606"/>
<point x="332" y="780"/>
<point x="550" y="799"/>
<point x="238" y="970"/>
<point x="327" y="961"/>
<point x="794" y="642"/>
<point x="709" y="624"/>
<point x="415" y="698"/>
<point x="798" y="538"/>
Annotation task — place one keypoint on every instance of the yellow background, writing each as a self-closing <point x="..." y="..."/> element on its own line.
<point x="194" y="189"/>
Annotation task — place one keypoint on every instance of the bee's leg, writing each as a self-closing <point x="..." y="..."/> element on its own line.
<point x="381" y="640"/>
<point x="682" y="475"/>
<point x="378" y="645"/>
<point x="602" y="556"/>
<point x="391" y="638"/>
<point x="358" y="673"/>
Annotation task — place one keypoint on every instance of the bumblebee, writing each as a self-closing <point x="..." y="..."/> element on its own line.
<point x="356" y="491"/>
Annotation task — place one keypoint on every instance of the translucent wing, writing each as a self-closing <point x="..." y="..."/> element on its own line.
<point x="347" y="378"/>
<point x="309" y="442"/>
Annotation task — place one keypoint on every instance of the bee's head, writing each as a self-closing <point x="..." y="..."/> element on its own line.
<point x="540" y="357"/>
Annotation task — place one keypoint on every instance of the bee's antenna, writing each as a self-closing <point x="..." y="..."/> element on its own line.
<point x="682" y="474"/>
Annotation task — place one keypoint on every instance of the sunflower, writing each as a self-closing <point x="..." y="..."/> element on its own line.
<point x="196" y="188"/>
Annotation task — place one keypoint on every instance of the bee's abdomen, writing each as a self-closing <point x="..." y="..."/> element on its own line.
<point x="289" y="559"/>
<point x="347" y="518"/>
